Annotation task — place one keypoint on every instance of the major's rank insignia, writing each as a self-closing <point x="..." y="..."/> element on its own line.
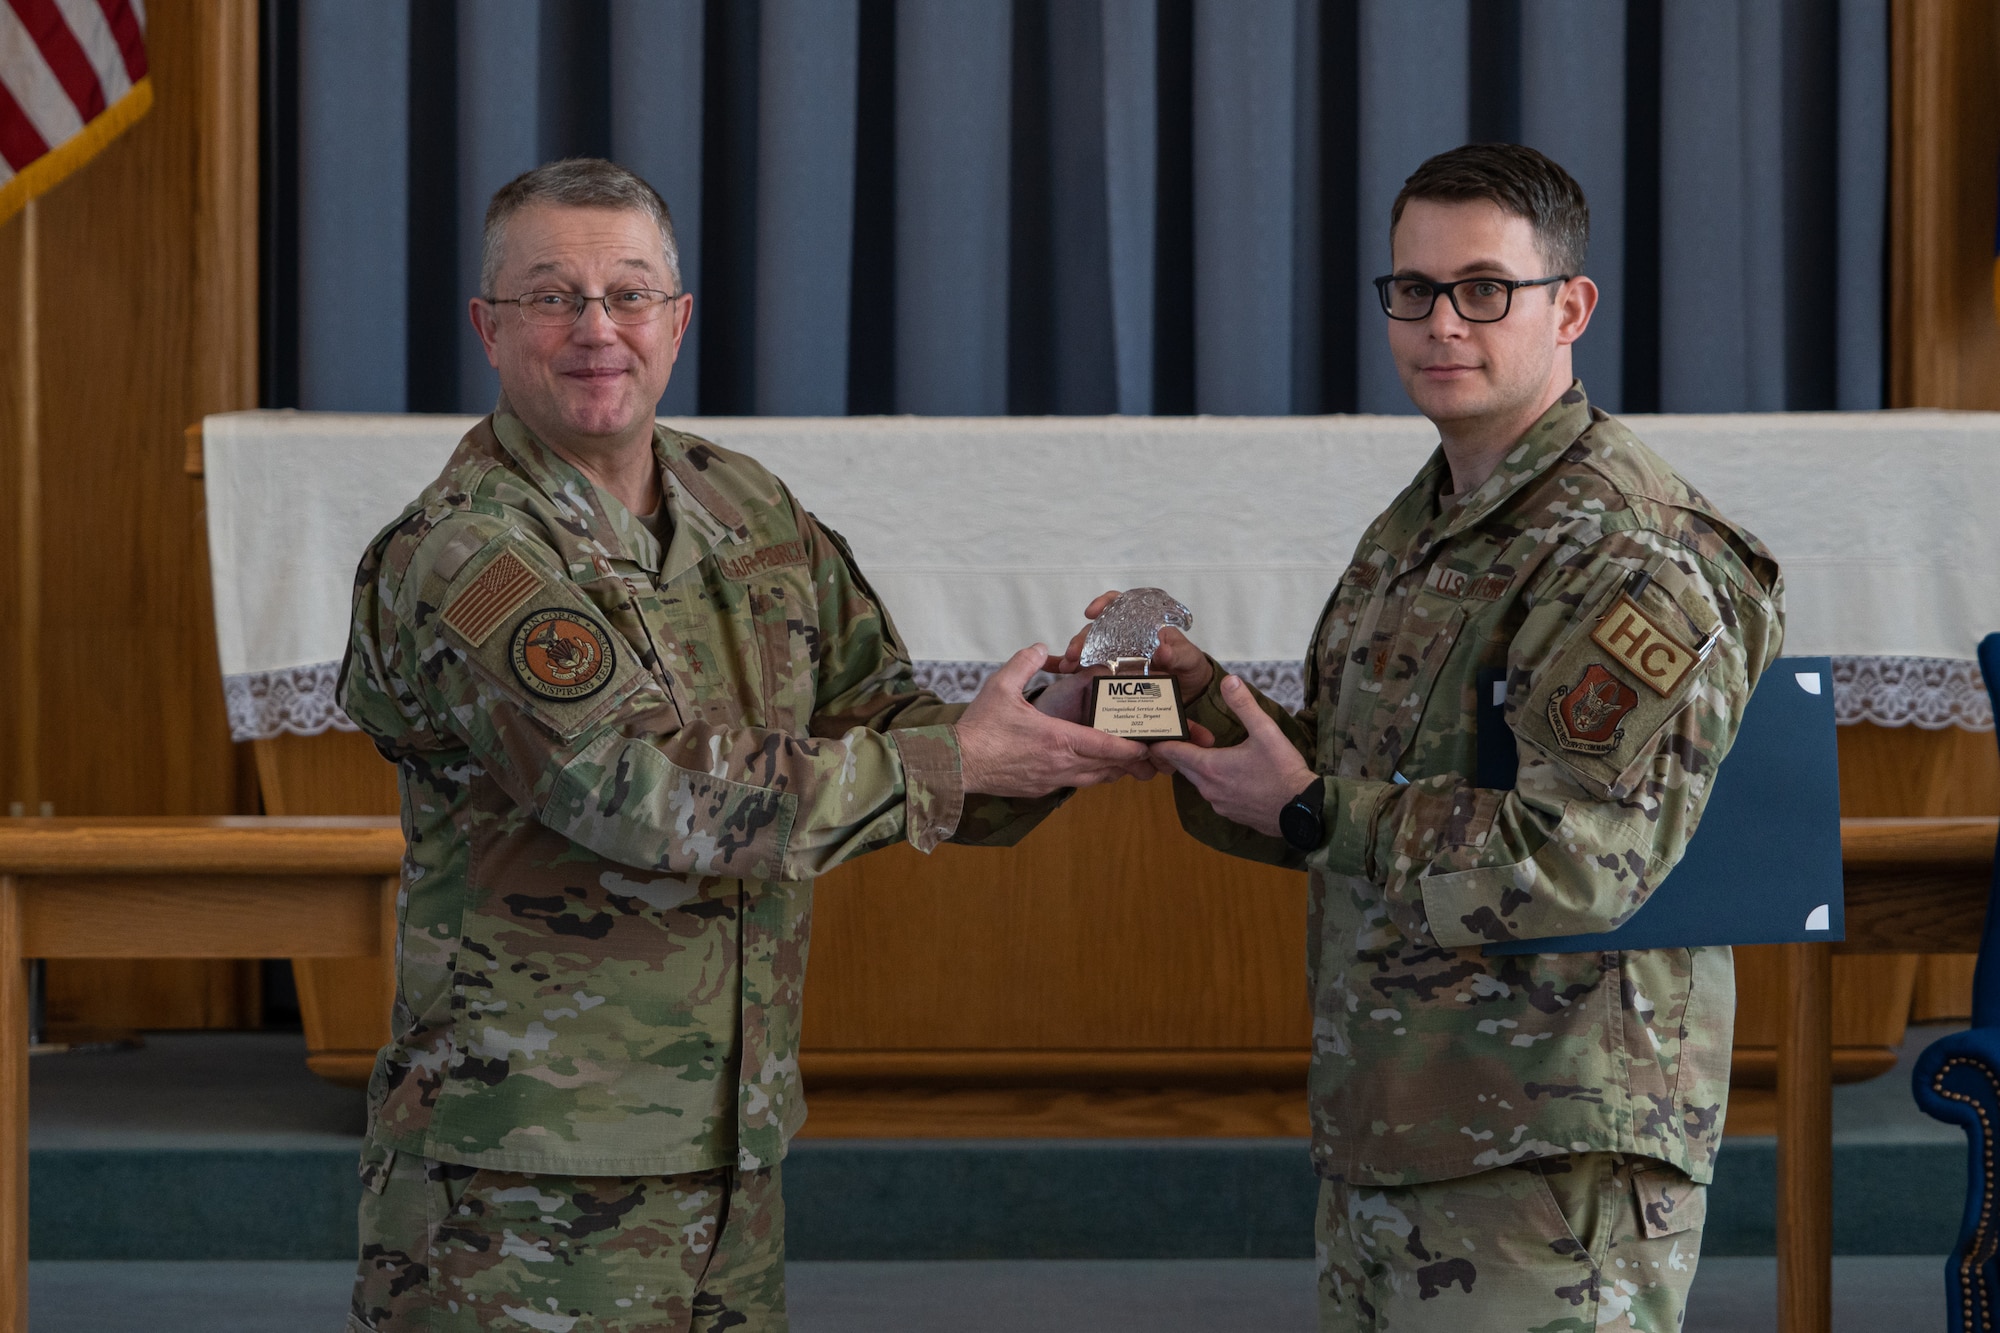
<point x="562" y="654"/>
<point x="1585" y="716"/>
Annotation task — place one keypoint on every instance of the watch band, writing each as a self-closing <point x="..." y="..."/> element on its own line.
<point x="1303" y="820"/>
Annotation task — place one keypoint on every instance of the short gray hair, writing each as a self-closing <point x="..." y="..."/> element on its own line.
<point x="574" y="182"/>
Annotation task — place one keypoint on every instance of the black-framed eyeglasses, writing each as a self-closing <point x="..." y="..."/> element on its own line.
<point x="631" y="305"/>
<point x="1477" y="300"/>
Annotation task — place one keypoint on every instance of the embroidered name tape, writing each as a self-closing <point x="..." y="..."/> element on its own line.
<point x="1637" y="643"/>
<point x="1456" y="583"/>
<point x="489" y="599"/>
<point x="763" y="558"/>
<point x="1449" y="582"/>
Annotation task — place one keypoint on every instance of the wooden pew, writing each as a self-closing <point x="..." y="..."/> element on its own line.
<point x="1914" y="886"/>
<point x="167" y="888"/>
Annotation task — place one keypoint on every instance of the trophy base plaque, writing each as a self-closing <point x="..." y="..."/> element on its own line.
<point x="1139" y="708"/>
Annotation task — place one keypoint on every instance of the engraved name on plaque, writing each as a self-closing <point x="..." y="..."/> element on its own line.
<point x="1131" y="701"/>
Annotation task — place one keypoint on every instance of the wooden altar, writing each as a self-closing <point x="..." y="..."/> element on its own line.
<point x="1140" y="986"/>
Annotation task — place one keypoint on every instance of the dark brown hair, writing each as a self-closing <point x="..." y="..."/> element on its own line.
<point x="1520" y="180"/>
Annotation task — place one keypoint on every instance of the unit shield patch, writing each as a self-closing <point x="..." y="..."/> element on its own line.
<point x="562" y="654"/>
<point x="1585" y="715"/>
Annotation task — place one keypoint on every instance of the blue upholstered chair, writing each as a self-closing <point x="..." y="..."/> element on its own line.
<point x="1957" y="1080"/>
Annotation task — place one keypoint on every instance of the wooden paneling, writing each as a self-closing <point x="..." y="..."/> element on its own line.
<point x="1056" y="1113"/>
<point x="144" y="288"/>
<point x="1944" y="339"/>
<point x="86" y="916"/>
<point x="335" y="773"/>
<point x="15" y="784"/>
<point x="1107" y="928"/>
<point x="1050" y="1066"/>
<point x="344" y="1003"/>
<point x="1909" y="772"/>
<point x="221" y="844"/>
<point x="1107" y="972"/>
<point x="20" y="448"/>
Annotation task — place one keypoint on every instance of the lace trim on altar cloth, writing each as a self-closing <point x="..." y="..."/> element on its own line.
<point x="296" y="702"/>
<point x="1928" y="692"/>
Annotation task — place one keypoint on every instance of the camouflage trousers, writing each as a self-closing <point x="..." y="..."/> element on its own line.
<point x="1559" y="1245"/>
<point x="452" y="1249"/>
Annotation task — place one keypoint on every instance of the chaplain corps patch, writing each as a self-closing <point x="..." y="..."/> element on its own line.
<point x="1585" y="716"/>
<point x="562" y="654"/>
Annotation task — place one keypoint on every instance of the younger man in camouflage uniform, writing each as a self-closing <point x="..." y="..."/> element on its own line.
<point x="637" y="698"/>
<point x="1505" y="1143"/>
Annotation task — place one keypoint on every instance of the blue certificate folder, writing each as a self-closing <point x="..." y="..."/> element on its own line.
<point x="1764" y="865"/>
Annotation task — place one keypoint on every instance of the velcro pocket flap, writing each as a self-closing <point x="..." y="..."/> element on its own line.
<point x="1668" y="1202"/>
<point x="1599" y="702"/>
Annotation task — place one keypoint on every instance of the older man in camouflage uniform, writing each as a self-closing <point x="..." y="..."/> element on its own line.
<point x="638" y="697"/>
<point x="1505" y="1143"/>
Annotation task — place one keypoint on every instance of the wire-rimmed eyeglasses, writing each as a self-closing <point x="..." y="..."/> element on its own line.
<point x="630" y="305"/>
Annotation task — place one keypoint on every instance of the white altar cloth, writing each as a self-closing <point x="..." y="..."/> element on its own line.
<point x="985" y="534"/>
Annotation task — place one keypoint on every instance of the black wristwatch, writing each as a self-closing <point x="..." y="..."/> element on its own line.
<point x="1303" y="822"/>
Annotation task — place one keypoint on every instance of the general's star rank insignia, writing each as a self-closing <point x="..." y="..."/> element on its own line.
<point x="562" y="654"/>
<point x="1585" y="716"/>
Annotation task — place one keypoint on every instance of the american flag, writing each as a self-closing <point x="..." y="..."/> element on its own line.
<point x="72" y="76"/>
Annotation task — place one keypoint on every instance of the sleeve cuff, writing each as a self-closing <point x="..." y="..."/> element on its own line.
<point x="1352" y="805"/>
<point x="1209" y="709"/>
<point x="933" y="784"/>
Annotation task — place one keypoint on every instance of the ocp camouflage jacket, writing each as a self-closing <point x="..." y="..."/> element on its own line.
<point x="1632" y="621"/>
<point x="620" y="768"/>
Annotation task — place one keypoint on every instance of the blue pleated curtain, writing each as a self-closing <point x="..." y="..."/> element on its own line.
<point x="1079" y="206"/>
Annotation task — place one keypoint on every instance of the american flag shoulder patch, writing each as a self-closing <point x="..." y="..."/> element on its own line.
<point x="489" y="599"/>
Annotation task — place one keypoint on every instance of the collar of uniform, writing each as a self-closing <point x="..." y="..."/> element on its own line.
<point x="1539" y="447"/>
<point x="604" y="526"/>
<point x="1412" y="522"/>
<point x="1536" y="451"/>
<point x="703" y="517"/>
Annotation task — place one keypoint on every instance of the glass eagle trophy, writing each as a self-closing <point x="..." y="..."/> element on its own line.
<point x="1131" y="701"/>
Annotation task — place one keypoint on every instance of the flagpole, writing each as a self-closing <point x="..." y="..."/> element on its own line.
<point x="28" y="526"/>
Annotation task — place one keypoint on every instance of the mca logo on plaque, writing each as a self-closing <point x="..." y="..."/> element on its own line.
<point x="1142" y="706"/>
